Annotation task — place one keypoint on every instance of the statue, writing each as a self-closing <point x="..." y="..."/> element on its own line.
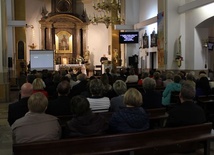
<point x="80" y="60"/>
<point x="178" y="57"/>
<point x="179" y="46"/>
<point x="44" y="12"/>
<point x="87" y="56"/>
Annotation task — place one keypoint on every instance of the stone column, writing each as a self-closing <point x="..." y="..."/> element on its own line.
<point x="49" y="38"/>
<point x="84" y="40"/>
<point x="4" y="83"/>
<point x="77" y="33"/>
<point x="42" y="37"/>
<point x="116" y="53"/>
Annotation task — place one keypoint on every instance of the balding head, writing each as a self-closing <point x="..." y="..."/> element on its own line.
<point x="81" y="77"/>
<point x="26" y="90"/>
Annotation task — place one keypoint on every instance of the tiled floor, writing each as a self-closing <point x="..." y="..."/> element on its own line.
<point x="6" y="138"/>
<point x="5" y="131"/>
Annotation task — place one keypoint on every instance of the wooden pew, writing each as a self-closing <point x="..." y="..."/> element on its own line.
<point x="207" y="103"/>
<point x="161" y="141"/>
<point x="156" y="117"/>
<point x="156" y="113"/>
<point x="205" y="100"/>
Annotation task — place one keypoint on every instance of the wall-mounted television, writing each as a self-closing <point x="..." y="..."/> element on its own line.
<point x="41" y="60"/>
<point x="128" y="37"/>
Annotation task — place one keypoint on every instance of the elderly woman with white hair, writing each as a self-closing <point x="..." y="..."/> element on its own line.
<point x="120" y="88"/>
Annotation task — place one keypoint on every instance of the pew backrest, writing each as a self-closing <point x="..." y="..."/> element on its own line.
<point x="114" y="143"/>
<point x="157" y="114"/>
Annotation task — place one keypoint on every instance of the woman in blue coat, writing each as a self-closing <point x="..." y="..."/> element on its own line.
<point x="131" y="118"/>
<point x="175" y="86"/>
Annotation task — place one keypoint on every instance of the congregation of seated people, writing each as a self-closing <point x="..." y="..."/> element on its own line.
<point x="48" y="95"/>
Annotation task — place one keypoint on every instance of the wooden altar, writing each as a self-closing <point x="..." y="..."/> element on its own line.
<point x="64" y="31"/>
<point x="67" y="67"/>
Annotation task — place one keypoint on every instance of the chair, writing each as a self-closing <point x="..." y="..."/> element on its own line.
<point x="97" y="70"/>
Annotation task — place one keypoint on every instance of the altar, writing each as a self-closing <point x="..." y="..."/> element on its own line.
<point x="73" y="66"/>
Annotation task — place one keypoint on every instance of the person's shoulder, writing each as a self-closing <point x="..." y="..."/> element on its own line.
<point x="13" y="104"/>
<point x="19" y="122"/>
<point x="105" y="98"/>
<point x="17" y="103"/>
<point x="49" y="117"/>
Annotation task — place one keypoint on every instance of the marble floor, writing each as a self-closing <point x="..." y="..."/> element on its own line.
<point x="5" y="131"/>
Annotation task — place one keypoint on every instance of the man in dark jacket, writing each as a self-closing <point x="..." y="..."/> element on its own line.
<point x="81" y="86"/>
<point x="186" y="113"/>
<point x="84" y="122"/>
<point x="60" y="106"/>
<point x="20" y="108"/>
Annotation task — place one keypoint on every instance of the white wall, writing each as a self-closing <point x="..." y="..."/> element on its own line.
<point x="194" y="18"/>
<point x="97" y="37"/>
<point x="33" y="15"/>
<point x="131" y="18"/>
<point x="175" y="27"/>
<point x="148" y="9"/>
<point x="185" y="25"/>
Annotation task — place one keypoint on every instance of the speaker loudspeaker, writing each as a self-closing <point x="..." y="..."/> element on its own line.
<point x="10" y="63"/>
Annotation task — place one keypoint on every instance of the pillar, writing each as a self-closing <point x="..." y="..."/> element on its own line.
<point x="115" y="48"/>
<point x="4" y="82"/>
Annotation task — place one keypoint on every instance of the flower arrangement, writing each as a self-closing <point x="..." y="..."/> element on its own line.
<point x="178" y="59"/>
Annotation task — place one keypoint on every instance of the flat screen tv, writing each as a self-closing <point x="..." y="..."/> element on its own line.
<point x="128" y="37"/>
<point x="41" y="60"/>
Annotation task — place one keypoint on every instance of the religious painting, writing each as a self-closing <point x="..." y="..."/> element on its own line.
<point x="63" y="42"/>
<point x="145" y="40"/>
<point x="153" y="39"/>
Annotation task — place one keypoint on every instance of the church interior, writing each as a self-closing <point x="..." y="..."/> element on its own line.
<point x="56" y="35"/>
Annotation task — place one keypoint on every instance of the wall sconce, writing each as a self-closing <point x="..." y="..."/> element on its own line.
<point x="205" y="43"/>
<point x="29" y="26"/>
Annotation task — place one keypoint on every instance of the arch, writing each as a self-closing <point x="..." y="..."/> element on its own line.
<point x="206" y="23"/>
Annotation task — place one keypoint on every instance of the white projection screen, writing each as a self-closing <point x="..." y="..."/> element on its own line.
<point x="41" y="60"/>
